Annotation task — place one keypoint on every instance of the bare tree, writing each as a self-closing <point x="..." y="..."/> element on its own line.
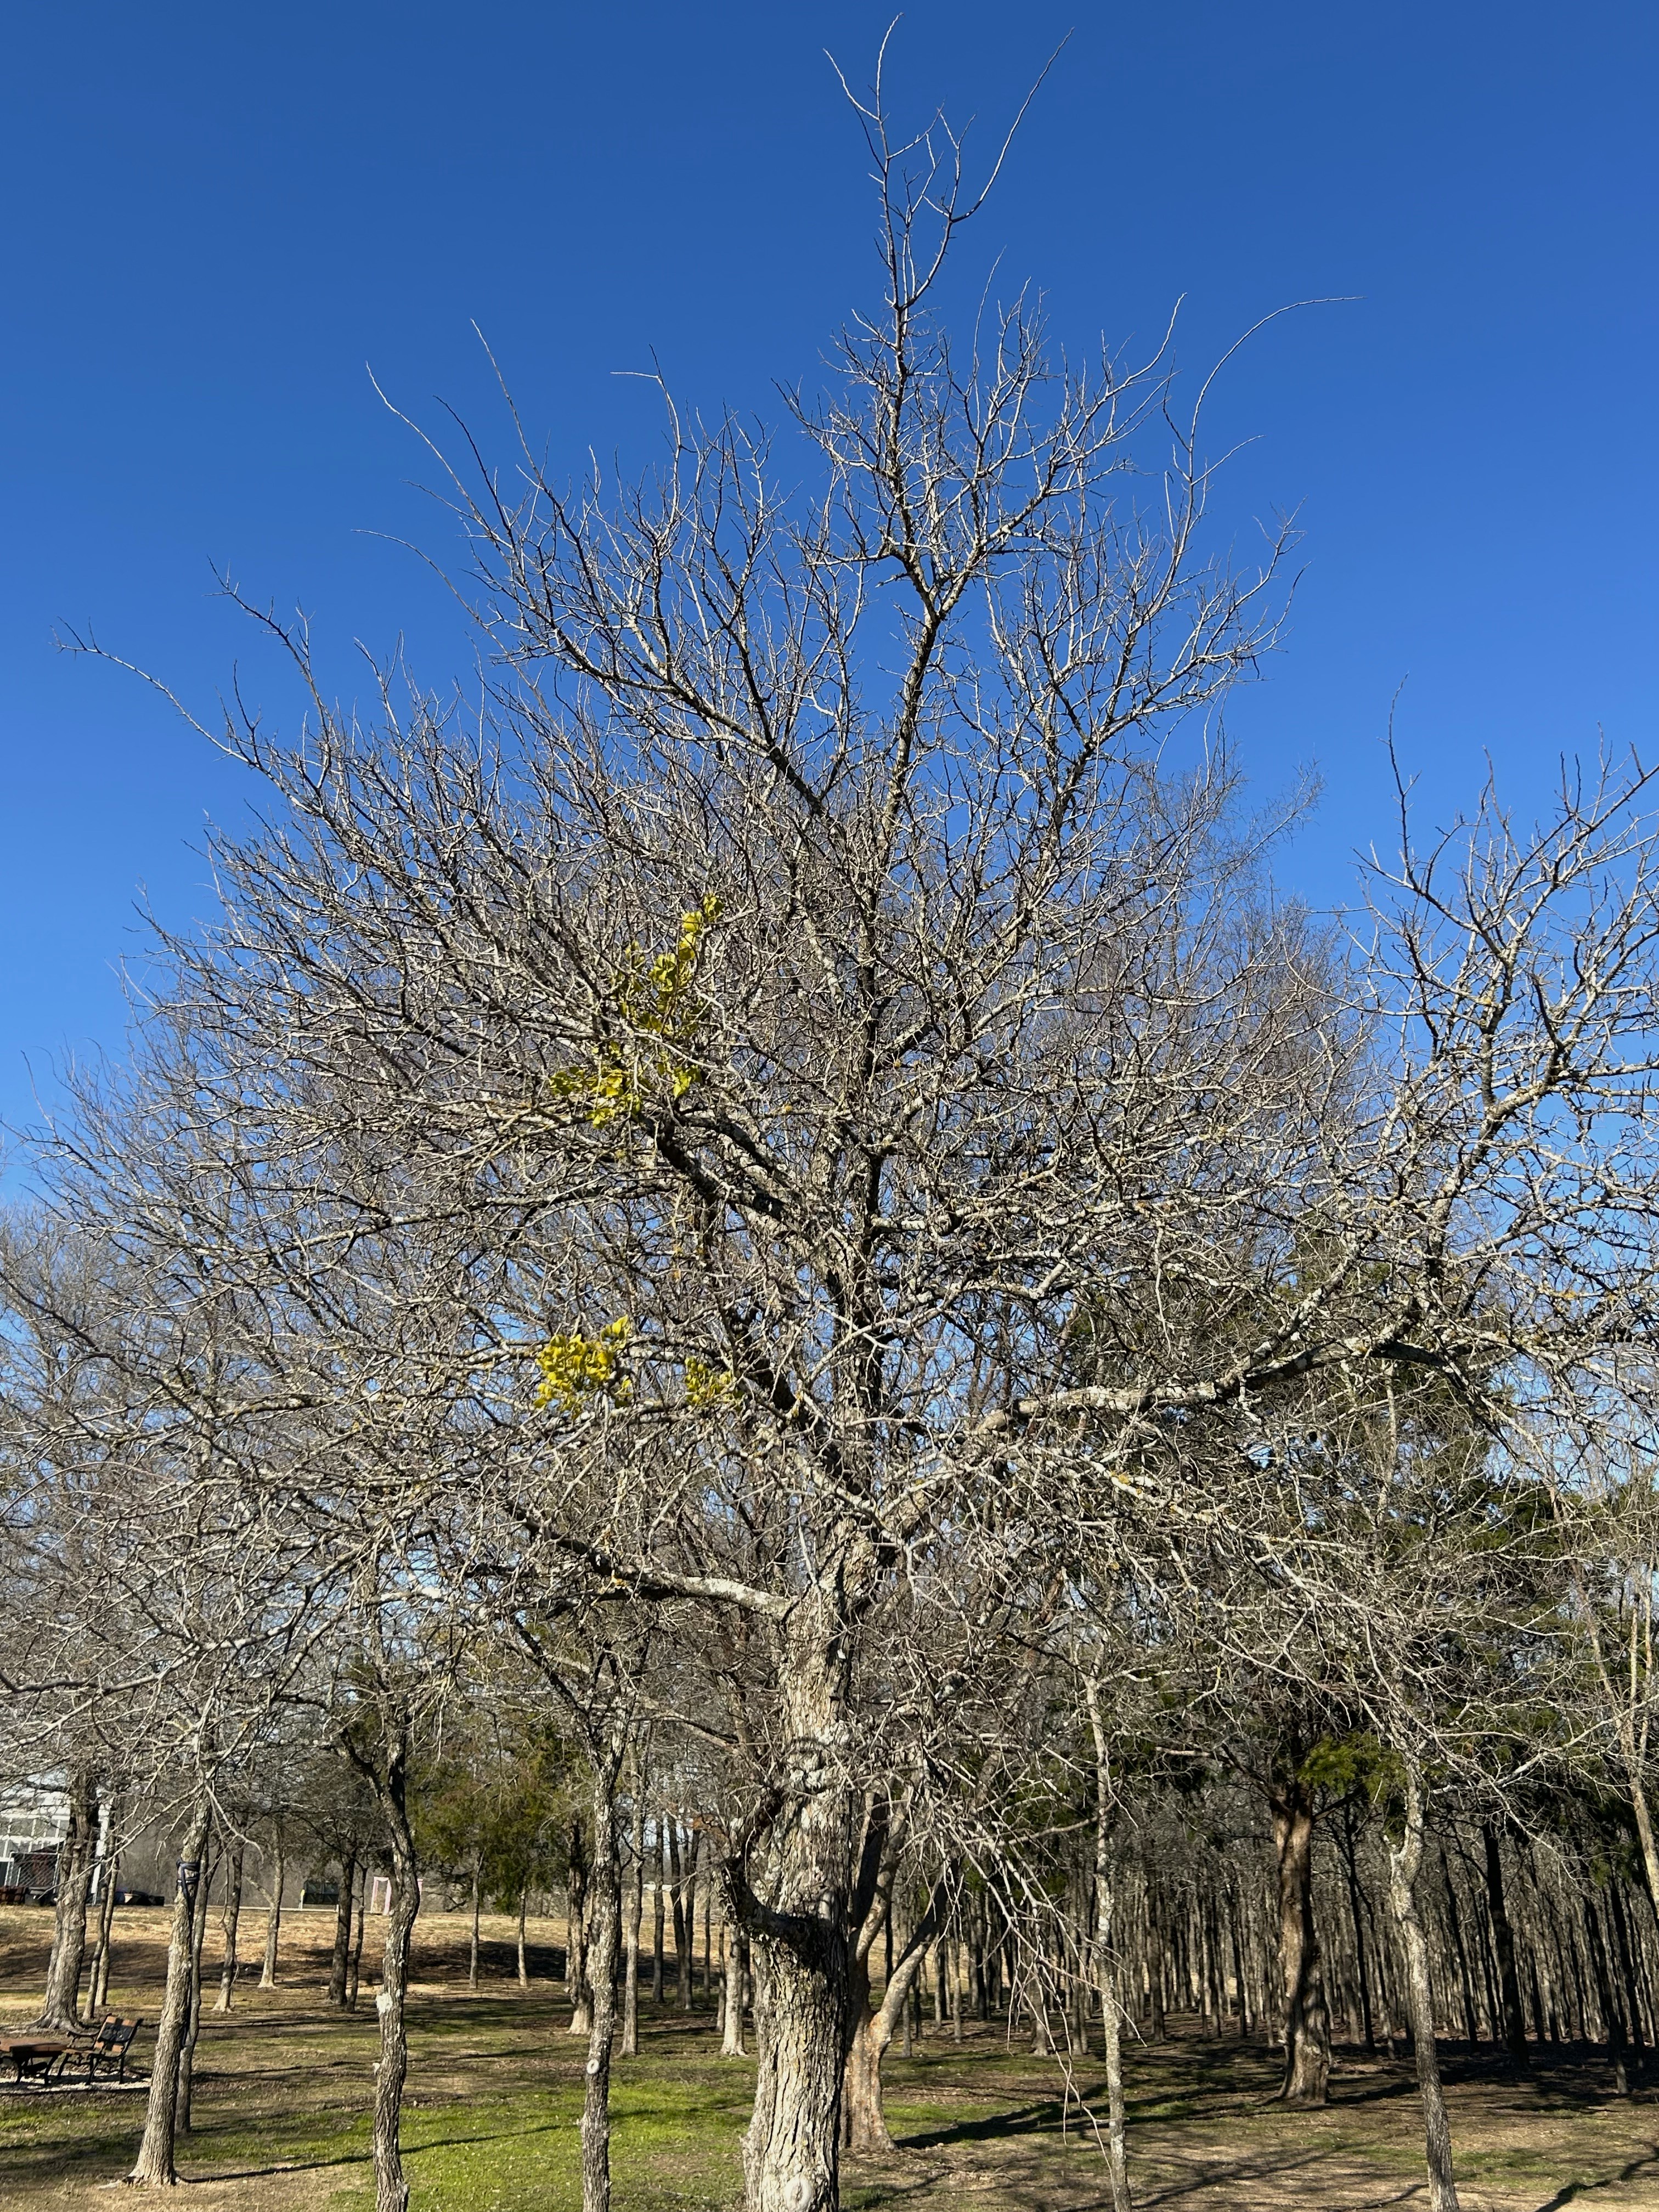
<point x="803" y="1110"/>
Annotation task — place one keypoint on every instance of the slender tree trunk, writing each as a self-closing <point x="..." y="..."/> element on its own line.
<point x="110" y="1875"/>
<point x="154" y="2166"/>
<point x="630" y="2032"/>
<point x="193" y="2025"/>
<point x="870" y="2030"/>
<point x="229" y="1920"/>
<point x="687" y="1919"/>
<point x="1405" y="1863"/>
<point x="1631" y="1749"/>
<point x="1514" y="2027"/>
<point x="659" y="1911"/>
<point x="478" y="1888"/>
<point x="524" y="1914"/>
<point x="1606" y="1998"/>
<point x="1154" y="1965"/>
<point x="677" y="1854"/>
<point x="61" y="2009"/>
<point x="1627" y="1971"/>
<point x="362" y="1907"/>
<point x="339" y="1965"/>
<point x="1350" y="1867"/>
<point x="1307" y="2022"/>
<point x="273" y="1918"/>
<point x="391" y="1781"/>
<point x="1466" y="1980"/>
<point x="1105" y="1973"/>
<point x="737" y="1969"/>
<point x="604" y="1918"/>
<point x="575" y="1971"/>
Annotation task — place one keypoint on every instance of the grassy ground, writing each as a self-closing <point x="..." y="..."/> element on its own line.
<point x="495" y="2094"/>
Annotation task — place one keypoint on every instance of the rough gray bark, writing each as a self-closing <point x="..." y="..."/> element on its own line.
<point x="873" y="2032"/>
<point x="737" y="1967"/>
<point x="601" y="1954"/>
<point x="98" y="1989"/>
<point x="357" y="1938"/>
<point x="229" y="1920"/>
<point x="193" y="2019"/>
<point x="1307" y="2022"/>
<point x="800" y="1941"/>
<point x="339" y="1964"/>
<point x="390" y="1777"/>
<point x="1405" y="1863"/>
<point x="60" y="2010"/>
<point x="154" y="2167"/>
<point x="576" y="1962"/>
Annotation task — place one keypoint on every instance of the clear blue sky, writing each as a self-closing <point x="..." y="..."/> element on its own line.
<point x="215" y="217"/>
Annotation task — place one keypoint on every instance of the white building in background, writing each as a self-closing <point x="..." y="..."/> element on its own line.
<point x="34" y="1822"/>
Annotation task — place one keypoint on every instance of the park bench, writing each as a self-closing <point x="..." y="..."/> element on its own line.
<point x="108" y="2048"/>
<point x="55" y="2059"/>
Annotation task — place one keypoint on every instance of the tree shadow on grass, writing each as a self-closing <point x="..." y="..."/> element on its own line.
<point x="1038" y="2119"/>
<point x="1576" y="2192"/>
<point x="410" y="2151"/>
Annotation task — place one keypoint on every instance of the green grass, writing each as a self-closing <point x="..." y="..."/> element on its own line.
<point x="495" y="2084"/>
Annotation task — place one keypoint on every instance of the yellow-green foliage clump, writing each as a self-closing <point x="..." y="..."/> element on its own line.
<point x="574" y="1366"/>
<point x="708" y="1390"/>
<point x="654" y="998"/>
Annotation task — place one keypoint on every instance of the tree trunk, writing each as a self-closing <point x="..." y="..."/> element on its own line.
<point x="1514" y="2026"/>
<point x="1612" y="2020"/>
<point x="1404" y="1862"/>
<point x="524" y="1914"/>
<point x="1627" y="1969"/>
<point x="800" y="1940"/>
<point x="1631" y="1749"/>
<point x="193" y="2023"/>
<point x="575" y="1965"/>
<point x="362" y="1907"/>
<point x="1362" y="1974"/>
<point x="154" y="2166"/>
<point x="477" y="1901"/>
<point x="604" y="1918"/>
<point x="273" y="1920"/>
<point x="391" y="1781"/>
<point x="680" y="1854"/>
<point x="1307" y="2022"/>
<point x="1105" y="1975"/>
<point x="109" y="1876"/>
<point x="61" y="2009"/>
<point x="229" y="1920"/>
<point x="870" y="2032"/>
<point x="659" y="1916"/>
<point x="339" y="1965"/>
<point x="630" y="2033"/>
<point x="688" y="1971"/>
<point x="1466" y="1980"/>
<point x="737" y="1967"/>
